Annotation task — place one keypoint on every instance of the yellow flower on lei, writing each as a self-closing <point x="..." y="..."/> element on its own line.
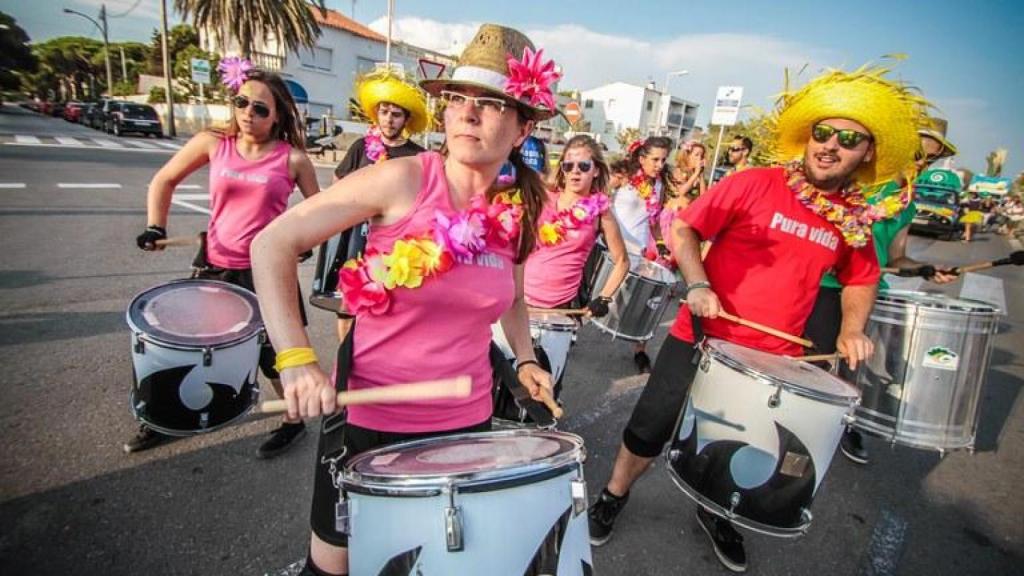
<point x="406" y="265"/>
<point x="514" y="197"/>
<point x="549" y="234"/>
<point x="432" y="255"/>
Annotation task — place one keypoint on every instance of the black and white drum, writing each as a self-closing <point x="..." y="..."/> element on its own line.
<point x="195" y="350"/>
<point x="922" y="386"/>
<point x="331" y="257"/>
<point x="640" y="302"/>
<point x="500" y="503"/>
<point x="757" y="436"/>
<point x="553" y="336"/>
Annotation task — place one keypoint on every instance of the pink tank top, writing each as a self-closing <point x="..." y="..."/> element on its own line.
<point x="553" y="274"/>
<point x="439" y="330"/>
<point x="244" y="197"/>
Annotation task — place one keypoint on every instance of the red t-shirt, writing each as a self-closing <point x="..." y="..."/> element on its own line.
<point x="767" y="258"/>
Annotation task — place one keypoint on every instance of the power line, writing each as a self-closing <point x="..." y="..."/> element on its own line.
<point x="126" y="12"/>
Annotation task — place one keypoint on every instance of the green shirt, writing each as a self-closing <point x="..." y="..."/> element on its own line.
<point x="883" y="233"/>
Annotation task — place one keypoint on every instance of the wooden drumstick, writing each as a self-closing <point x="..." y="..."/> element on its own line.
<point x="819" y="357"/>
<point x="1015" y="258"/>
<point x="545" y="397"/>
<point x="458" y="387"/>
<point x="179" y="241"/>
<point x="562" y="311"/>
<point x="766" y="329"/>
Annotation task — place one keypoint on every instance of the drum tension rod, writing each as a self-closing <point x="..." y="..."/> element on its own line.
<point x="453" y="522"/>
<point x="774" y="400"/>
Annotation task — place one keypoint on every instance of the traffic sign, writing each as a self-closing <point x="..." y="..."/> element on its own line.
<point x="431" y="70"/>
<point x="727" y="105"/>
<point x="200" y="71"/>
<point x="573" y="113"/>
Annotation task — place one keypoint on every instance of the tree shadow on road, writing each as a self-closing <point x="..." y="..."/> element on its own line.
<point x="31" y="327"/>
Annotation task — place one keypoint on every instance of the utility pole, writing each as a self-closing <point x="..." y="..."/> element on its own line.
<point x="106" y="43"/>
<point x="124" y="66"/>
<point x="167" y="71"/>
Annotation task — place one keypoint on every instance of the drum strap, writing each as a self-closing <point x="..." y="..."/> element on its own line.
<point x="200" y="262"/>
<point x="698" y="337"/>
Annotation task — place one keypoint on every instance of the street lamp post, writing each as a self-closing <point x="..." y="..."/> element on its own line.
<point x="668" y="95"/>
<point x="106" y="46"/>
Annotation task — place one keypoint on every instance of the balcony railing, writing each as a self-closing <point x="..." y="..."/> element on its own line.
<point x="271" y="62"/>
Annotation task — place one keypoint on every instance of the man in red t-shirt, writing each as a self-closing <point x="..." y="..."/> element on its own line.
<point x="768" y="255"/>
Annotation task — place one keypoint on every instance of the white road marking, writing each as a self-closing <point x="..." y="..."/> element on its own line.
<point x="107" y="143"/>
<point x="22" y="139"/>
<point x="170" y="145"/>
<point x="188" y="187"/>
<point x="985" y="288"/>
<point x="68" y="140"/>
<point x="190" y="206"/>
<point x="12" y="185"/>
<point x="87" y="147"/>
<point x="142" y="144"/>
<point x="88" y="185"/>
<point x="205" y="197"/>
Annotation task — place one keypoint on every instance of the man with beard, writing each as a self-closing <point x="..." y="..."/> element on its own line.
<point x="776" y="232"/>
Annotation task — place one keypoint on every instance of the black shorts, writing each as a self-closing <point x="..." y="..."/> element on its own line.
<point x="243" y="278"/>
<point x="339" y="442"/>
<point x="661" y="402"/>
<point x="826" y="318"/>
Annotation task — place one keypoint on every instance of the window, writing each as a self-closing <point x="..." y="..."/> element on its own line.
<point x="650" y="105"/>
<point x="588" y="104"/>
<point x="364" y="65"/>
<point x="317" y="59"/>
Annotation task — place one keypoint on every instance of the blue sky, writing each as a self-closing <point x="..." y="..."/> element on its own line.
<point x="966" y="57"/>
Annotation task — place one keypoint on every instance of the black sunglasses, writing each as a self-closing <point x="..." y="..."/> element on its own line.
<point x="258" y="108"/>
<point x="930" y="158"/>
<point x="584" y="166"/>
<point x="848" y="139"/>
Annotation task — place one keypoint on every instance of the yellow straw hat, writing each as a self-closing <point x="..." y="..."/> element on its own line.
<point x="890" y="110"/>
<point x="385" y="86"/>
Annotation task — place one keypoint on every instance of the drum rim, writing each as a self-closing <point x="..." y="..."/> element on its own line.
<point x="250" y="332"/>
<point x="907" y="296"/>
<point x="797" y="389"/>
<point x="632" y="271"/>
<point x="430" y="485"/>
<point x="187" y="433"/>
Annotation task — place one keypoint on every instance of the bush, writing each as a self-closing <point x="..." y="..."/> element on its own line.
<point x="157" y="95"/>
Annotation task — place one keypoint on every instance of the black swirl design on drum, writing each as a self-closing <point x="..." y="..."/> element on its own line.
<point x="402" y="564"/>
<point x="159" y="394"/>
<point x="778" y="501"/>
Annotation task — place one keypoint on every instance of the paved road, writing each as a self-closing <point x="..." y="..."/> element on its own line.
<point x="72" y="503"/>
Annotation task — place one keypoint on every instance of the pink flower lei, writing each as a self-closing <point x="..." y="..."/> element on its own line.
<point x="234" y="71"/>
<point x="376" y="151"/>
<point x="367" y="282"/>
<point x="531" y="78"/>
<point x="648" y="192"/>
<point x="556" y="228"/>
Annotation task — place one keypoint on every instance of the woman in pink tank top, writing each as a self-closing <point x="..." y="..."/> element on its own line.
<point x="444" y="261"/>
<point x="255" y="162"/>
<point x="575" y="212"/>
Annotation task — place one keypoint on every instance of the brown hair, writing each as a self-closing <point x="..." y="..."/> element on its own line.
<point x="603" y="172"/>
<point x="644" y="149"/>
<point x="287" y="127"/>
<point x="534" y="193"/>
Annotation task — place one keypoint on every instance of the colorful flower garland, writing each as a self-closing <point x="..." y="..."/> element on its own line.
<point x="646" y="190"/>
<point x="853" y="221"/>
<point x="376" y="151"/>
<point x="367" y="282"/>
<point x="891" y="203"/>
<point x="582" y="213"/>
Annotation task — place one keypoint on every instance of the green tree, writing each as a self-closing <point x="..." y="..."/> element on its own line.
<point x="627" y="136"/>
<point x="15" y="54"/>
<point x="183" y="74"/>
<point x="66" y="65"/>
<point x="250" y="22"/>
<point x="757" y="127"/>
<point x="179" y="38"/>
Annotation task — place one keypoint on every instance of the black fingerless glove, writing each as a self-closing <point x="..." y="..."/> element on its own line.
<point x="147" y="240"/>
<point x="599" y="307"/>
<point x="663" y="251"/>
<point x="927" y="271"/>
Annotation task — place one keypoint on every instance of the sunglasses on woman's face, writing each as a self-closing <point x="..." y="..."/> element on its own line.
<point x="848" y="139"/>
<point x="584" y="166"/>
<point x="258" y="108"/>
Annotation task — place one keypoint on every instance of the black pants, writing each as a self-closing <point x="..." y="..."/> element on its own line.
<point x="661" y="402"/>
<point x="826" y="318"/>
<point x="339" y="442"/>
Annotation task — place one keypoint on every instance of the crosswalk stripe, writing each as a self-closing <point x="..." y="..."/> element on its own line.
<point x="170" y="145"/>
<point x="87" y="185"/>
<point x="107" y="143"/>
<point x="68" y="140"/>
<point x="141" y="144"/>
<point x="11" y="185"/>
<point x="22" y="139"/>
<point x="192" y="196"/>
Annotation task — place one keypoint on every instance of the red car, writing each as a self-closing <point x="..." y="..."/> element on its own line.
<point x="73" y="111"/>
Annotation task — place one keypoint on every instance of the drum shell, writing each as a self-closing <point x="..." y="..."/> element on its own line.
<point x="552" y="341"/>
<point x="637" y="307"/>
<point x="505" y="519"/>
<point x="754" y="450"/>
<point x="910" y="400"/>
<point x="330" y="258"/>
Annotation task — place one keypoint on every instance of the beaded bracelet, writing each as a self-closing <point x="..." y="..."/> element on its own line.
<point x="519" y="365"/>
<point x="293" y="357"/>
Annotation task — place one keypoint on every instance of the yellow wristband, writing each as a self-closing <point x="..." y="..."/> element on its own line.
<point x="293" y="357"/>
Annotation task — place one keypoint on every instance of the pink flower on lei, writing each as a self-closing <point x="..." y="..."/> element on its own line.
<point x="463" y="234"/>
<point x="234" y="71"/>
<point x="376" y="151"/>
<point x="362" y="283"/>
<point x="531" y="78"/>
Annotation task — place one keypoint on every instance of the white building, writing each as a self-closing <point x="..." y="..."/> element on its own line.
<point x="614" y="107"/>
<point x="321" y="79"/>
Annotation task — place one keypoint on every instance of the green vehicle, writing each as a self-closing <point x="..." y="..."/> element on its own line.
<point x="937" y="195"/>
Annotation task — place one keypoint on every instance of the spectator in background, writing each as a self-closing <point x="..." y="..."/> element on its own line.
<point x="739" y="154"/>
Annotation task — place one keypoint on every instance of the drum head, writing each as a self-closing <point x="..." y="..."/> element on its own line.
<point x="654" y="271"/>
<point x="936" y="301"/>
<point x="195" y="313"/>
<point x="464" y="459"/>
<point x="801" y="377"/>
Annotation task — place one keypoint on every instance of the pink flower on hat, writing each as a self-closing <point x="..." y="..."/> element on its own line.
<point x="531" y="78"/>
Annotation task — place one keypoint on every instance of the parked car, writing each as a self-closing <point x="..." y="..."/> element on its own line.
<point x="107" y="109"/>
<point x="57" y="110"/>
<point x="83" y="114"/>
<point x="132" y="117"/>
<point x="937" y="195"/>
<point x="73" y="110"/>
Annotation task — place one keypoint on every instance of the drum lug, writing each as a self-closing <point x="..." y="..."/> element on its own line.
<point x="734" y="501"/>
<point x="578" y="488"/>
<point x="344" y="509"/>
<point x="674" y="454"/>
<point x="774" y="400"/>
<point x="139" y="346"/>
<point x="453" y="523"/>
<point x="207" y="356"/>
<point x="705" y="362"/>
<point x="849" y="419"/>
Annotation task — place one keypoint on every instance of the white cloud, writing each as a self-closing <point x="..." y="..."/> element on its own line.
<point x="430" y="34"/>
<point x="117" y="9"/>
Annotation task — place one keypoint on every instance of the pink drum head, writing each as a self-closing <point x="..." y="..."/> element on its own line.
<point x="196" y="313"/>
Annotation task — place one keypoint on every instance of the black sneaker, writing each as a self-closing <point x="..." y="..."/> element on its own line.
<point x="281" y="438"/>
<point x="602" y="516"/>
<point x="727" y="542"/>
<point x="145" y="439"/>
<point x="642" y="361"/>
<point x="852" y="446"/>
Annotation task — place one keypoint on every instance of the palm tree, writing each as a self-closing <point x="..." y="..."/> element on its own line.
<point x="251" y="22"/>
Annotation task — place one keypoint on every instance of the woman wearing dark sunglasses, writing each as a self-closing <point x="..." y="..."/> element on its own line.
<point x="255" y="161"/>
